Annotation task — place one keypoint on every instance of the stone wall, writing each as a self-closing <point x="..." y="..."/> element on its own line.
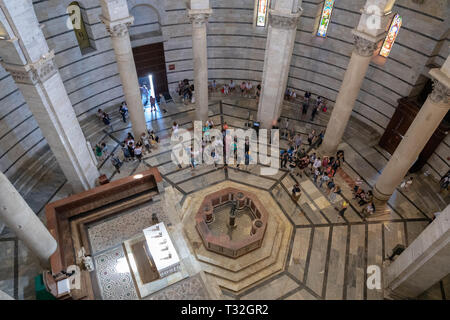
<point x="235" y="51"/>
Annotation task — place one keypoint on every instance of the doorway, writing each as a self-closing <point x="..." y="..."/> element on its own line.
<point x="151" y="68"/>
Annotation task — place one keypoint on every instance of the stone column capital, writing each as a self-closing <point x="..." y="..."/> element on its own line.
<point x="281" y="20"/>
<point x="33" y="73"/>
<point x="117" y="28"/>
<point x="440" y="92"/>
<point x="199" y="17"/>
<point x="363" y="46"/>
<point x="441" y="85"/>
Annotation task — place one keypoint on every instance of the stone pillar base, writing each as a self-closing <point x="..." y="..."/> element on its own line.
<point x="380" y="201"/>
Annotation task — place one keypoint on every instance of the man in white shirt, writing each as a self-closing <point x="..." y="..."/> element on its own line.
<point x="232" y="85"/>
<point x="317" y="163"/>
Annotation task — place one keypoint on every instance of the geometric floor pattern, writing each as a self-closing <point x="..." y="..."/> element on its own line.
<point x="114" y="277"/>
<point x="328" y="256"/>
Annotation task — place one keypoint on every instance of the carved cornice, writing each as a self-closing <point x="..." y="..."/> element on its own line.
<point x="283" y="21"/>
<point x="440" y="92"/>
<point x="199" y="17"/>
<point x="363" y="46"/>
<point x="33" y="73"/>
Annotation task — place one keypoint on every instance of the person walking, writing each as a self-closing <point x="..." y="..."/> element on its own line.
<point x="116" y="162"/>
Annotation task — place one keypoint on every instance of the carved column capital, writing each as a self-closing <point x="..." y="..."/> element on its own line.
<point x="440" y="92"/>
<point x="118" y="28"/>
<point x="282" y="20"/>
<point x="199" y="17"/>
<point x="363" y="46"/>
<point x="32" y="73"/>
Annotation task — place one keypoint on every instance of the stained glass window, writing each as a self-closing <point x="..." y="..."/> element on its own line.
<point x="261" y="15"/>
<point x="391" y="36"/>
<point x="325" y="18"/>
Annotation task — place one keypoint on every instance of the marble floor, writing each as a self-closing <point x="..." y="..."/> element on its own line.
<point x="328" y="255"/>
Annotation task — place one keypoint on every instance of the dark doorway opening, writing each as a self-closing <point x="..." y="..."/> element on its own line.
<point x="151" y="63"/>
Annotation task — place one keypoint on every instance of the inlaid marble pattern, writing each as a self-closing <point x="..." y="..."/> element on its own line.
<point x="112" y="232"/>
<point x="192" y="288"/>
<point x="114" y="275"/>
<point x="327" y="255"/>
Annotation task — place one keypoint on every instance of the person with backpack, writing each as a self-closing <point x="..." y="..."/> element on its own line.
<point x="116" y="162"/>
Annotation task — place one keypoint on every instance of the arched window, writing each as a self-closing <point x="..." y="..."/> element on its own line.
<point x="325" y="18"/>
<point x="262" y="8"/>
<point x="77" y="24"/>
<point x="391" y="36"/>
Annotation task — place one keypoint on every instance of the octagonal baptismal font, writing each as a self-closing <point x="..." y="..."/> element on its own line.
<point x="238" y="234"/>
<point x="231" y="222"/>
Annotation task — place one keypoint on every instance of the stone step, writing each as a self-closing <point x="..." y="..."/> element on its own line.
<point x="250" y="259"/>
<point x="48" y="166"/>
<point x="270" y="271"/>
<point x="253" y="268"/>
<point x="30" y="168"/>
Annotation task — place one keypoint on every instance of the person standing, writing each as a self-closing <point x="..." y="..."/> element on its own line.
<point x="123" y="112"/>
<point x="131" y="149"/>
<point x="320" y="139"/>
<point x="314" y="112"/>
<point x="324" y="179"/>
<point x="163" y="102"/>
<point x="100" y="115"/>
<point x="144" y="94"/>
<point x="116" y="162"/>
<point x="344" y="207"/>
<point x="153" y="103"/>
<point x="232" y="85"/>
<point x="107" y="120"/>
<point x="311" y="136"/>
<point x="305" y="107"/>
<point x="296" y="192"/>
<point x="138" y="151"/>
<point x="286" y="128"/>
<point x="126" y="152"/>
<point x="284" y="159"/>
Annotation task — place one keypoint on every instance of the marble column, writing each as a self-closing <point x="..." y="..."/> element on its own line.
<point x="27" y="58"/>
<point x="199" y="17"/>
<point x="425" y="123"/>
<point x="424" y="262"/>
<point x="280" y="42"/>
<point x="371" y="30"/>
<point x="19" y="217"/>
<point x="348" y="93"/>
<point x="117" y="19"/>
